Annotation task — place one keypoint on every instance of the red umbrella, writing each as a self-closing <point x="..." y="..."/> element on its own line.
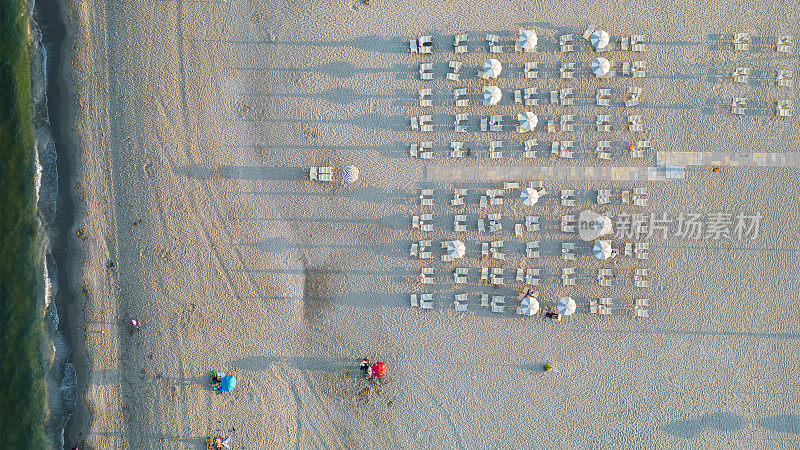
<point x="379" y="369"/>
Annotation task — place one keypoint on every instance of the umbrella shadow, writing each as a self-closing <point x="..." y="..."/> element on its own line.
<point x="337" y="69"/>
<point x="261" y="363"/>
<point x="365" y="121"/>
<point x="279" y="173"/>
<point x="785" y="423"/>
<point x="372" y="43"/>
<point x="689" y="428"/>
<point x="339" y="96"/>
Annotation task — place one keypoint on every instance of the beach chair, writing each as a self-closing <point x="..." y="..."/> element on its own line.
<point x="568" y="122"/>
<point x="604" y="310"/>
<point x="785" y="78"/>
<point x="426" y="301"/>
<point x="641" y="283"/>
<point x="312" y="174"/>
<point x="485" y="300"/>
<point x="412" y="46"/>
<point x="567" y="251"/>
<point x="532" y="223"/>
<point x="741" y="42"/>
<point x="518" y="96"/>
<point x="426" y="254"/>
<point x="603" y="97"/>
<point x="738" y="106"/>
<point x="532" y="250"/>
<point x="635" y="123"/>
<point x="566" y="42"/>
<point x="639" y="69"/>
<point x="589" y="30"/>
<point x="784" y="44"/>
<point x="567" y="70"/>
<point x="784" y="108"/>
<point x="461" y="302"/>
<point x="741" y="75"/>
<point x="628" y="249"/>
<point x="605" y="282"/>
<point x="498" y="306"/>
<point x="427" y="275"/>
<point x="637" y="43"/>
<point x="414" y="300"/>
<point x="633" y="92"/>
<point x="603" y="123"/>
<point x="568" y="281"/>
<point x="593" y="306"/>
<point x="641" y="312"/>
<point x="531" y="70"/>
<point x="567" y="96"/>
<point x="414" y="250"/>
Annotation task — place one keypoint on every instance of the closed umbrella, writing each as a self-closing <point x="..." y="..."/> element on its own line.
<point x="567" y="306"/>
<point x="350" y="174"/>
<point x="529" y="306"/>
<point x="600" y="39"/>
<point x="456" y="249"/>
<point x="492" y="68"/>
<point x="529" y="196"/>
<point x="228" y="383"/>
<point x="491" y="95"/>
<point x="527" y="41"/>
<point x="601" y="67"/>
<point x="602" y="249"/>
<point x="527" y="121"/>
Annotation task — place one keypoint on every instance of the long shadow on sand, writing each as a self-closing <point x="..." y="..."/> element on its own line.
<point x="366" y="121"/>
<point x="782" y="424"/>
<point x="396" y="149"/>
<point x="689" y="428"/>
<point x="337" y="69"/>
<point x="259" y="363"/>
<point x="366" y="43"/>
<point x="278" y="173"/>
<point x="340" y="96"/>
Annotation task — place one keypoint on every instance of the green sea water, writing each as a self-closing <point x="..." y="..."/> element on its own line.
<point x="22" y="349"/>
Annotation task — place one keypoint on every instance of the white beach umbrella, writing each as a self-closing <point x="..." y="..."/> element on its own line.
<point x="601" y="67"/>
<point x="491" y="95"/>
<point x="350" y="174"/>
<point x="492" y="68"/>
<point x="528" y="40"/>
<point x="567" y="306"/>
<point x="527" y="121"/>
<point x="456" y="249"/>
<point x="529" y="306"/>
<point x="600" y="39"/>
<point x="529" y="196"/>
<point x="602" y="225"/>
<point x="602" y="249"/>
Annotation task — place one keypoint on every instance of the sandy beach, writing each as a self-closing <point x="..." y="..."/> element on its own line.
<point x="194" y="124"/>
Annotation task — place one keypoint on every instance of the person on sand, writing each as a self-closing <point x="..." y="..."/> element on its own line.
<point x="216" y="379"/>
<point x="366" y="367"/>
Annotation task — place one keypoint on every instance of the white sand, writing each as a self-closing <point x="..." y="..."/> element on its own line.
<point x="234" y="262"/>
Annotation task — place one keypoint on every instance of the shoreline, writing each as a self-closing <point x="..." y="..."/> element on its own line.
<point x="49" y="17"/>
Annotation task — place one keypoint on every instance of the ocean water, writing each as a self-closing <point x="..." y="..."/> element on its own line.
<point x="38" y="392"/>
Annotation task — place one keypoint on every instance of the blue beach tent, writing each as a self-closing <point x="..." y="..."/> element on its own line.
<point x="228" y="383"/>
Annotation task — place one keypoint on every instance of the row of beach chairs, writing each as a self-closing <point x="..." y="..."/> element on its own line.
<point x="783" y="43"/>
<point x="533" y="276"/>
<point x="602" y="306"/>
<point x="566" y="42"/>
<point x="324" y="174"/>
<point x="562" y="149"/>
